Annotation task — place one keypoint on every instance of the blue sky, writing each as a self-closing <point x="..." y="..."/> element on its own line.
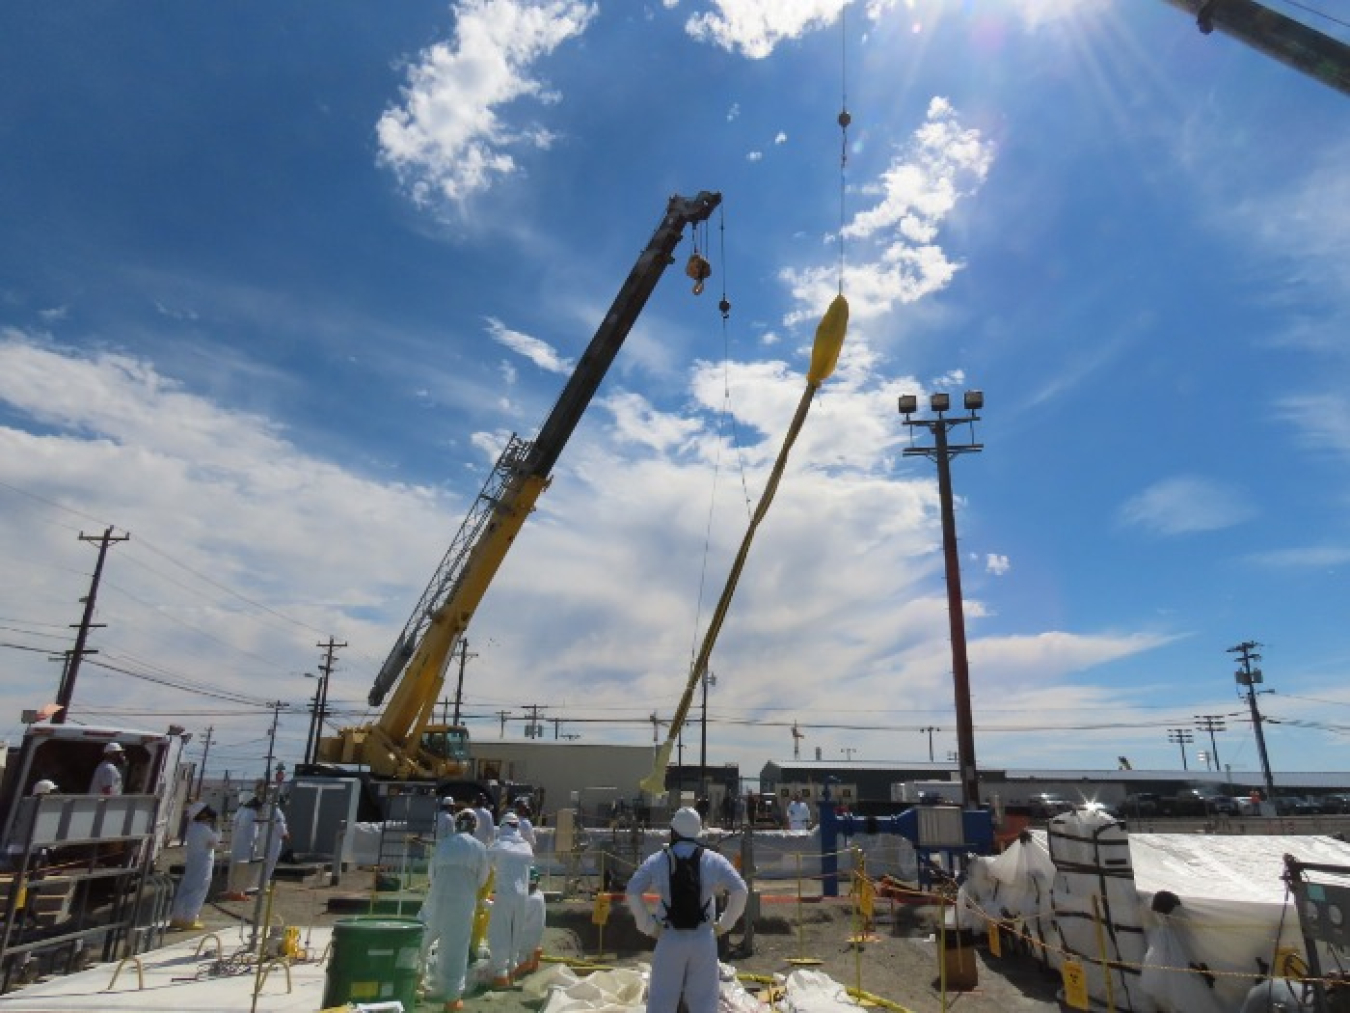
<point x="278" y="281"/>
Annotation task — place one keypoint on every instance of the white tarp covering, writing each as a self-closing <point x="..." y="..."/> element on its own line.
<point x="1201" y="954"/>
<point x="624" y="990"/>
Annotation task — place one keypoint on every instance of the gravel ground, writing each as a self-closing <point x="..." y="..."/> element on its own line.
<point x="897" y="961"/>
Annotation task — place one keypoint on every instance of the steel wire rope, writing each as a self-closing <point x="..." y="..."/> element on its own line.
<point x="1310" y="9"/>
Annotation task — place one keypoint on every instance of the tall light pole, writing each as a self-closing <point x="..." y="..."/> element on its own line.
<point x="1249" y="677"/>
<point x="930" y="729"/>
<point x="1211" y="723"/>
<point x="941" y="453"/>
<point x="1181" y="736"/>
<point x="708" y="680"/>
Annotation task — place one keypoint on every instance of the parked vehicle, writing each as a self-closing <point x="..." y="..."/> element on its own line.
<point x="1047" y="804"/>
<point x="1141" y="804"/>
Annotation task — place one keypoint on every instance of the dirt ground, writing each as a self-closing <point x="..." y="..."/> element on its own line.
<point x="897" y="961"/>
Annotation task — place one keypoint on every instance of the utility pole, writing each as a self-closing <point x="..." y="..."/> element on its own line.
<point x="1249" y="677"/>
<point x="464" y="656"/>
<point x="797" y="737"/>
<point x="206" y="749"/>
<point x="66" y="690"/>
<point x="321" y="694"/>
<point x="502" y="716"/>
<point x="1181" y="736"/>
<point x="276" y="706"/>
<point x="1211" y="723"/>
<point x="942" y="453"/>
<point x="533" y="729"/>
<point x="930" y="729"/>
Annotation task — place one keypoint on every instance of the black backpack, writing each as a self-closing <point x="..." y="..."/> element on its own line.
<point x="686" y="909"/>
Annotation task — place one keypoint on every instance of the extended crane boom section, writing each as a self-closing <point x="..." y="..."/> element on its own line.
<point x="404" y="743"/>
<point x="1293" y="43"/>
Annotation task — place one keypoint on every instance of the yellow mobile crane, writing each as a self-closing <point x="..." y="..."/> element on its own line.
<point x="404" y="743"/>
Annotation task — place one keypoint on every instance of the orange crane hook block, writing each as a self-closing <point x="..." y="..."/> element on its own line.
<point x="698" y="269"/>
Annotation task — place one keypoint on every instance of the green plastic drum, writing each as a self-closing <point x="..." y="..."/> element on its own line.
<point x="374" y="960"/>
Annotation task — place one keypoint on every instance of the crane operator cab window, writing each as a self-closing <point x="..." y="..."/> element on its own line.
<point x="447" y="743"/>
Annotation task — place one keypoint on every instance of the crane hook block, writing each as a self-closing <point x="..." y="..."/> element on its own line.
<point x="698" y="269"/>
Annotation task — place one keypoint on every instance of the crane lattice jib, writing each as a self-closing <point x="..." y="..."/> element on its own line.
<point x="444" y="581"/>
<point x="525" y="466"/>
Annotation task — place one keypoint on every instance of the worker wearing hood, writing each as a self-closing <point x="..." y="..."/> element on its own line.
<point x="685" y="959"/>
<point x="243" y="839"/>
<point x="199" y="845"/>
<point x="512" y="858"/>
<point x="459" y="869"/>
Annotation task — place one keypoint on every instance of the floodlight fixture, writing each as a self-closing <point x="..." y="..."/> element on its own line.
<point x="974" y="400"/>
<point x="909" y="404"/>
<point x="940" y="402"/>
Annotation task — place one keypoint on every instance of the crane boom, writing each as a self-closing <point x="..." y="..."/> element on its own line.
<point x="398" y="744"/>
<point x="1277" y="35"/>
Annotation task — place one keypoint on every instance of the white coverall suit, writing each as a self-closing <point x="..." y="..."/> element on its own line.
<point x="274" y="837"/>
<point x="199" y="847"/>
<point x="243" y="835"/>
<point x="459" y="870"/>
<point x="511" y="858"/>
<point x="530" y="939"/>
<point x="685" y="960"/>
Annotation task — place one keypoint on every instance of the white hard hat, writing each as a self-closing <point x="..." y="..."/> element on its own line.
<point x="113" y="747"/>
<point x="448" y="802"/>
<point x="687" y="823"/>
<point x="43" y="787"/>
<point x="511" y="819"/>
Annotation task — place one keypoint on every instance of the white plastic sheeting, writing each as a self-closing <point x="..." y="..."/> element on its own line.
<point x="624" y="990"/>
<point x="1200" y="955"/>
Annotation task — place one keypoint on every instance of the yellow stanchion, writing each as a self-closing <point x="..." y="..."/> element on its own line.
<point x="801" y="959"/>
<point x="600" y="914"/>
<point x="1102" y="955"/>
<point x="481" y="915"/>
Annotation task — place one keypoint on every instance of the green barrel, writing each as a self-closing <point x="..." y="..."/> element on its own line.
<point x="374" y="960"/>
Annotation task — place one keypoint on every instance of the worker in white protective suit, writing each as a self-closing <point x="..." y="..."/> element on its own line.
<point x="199" y="846"/>
<point x="243" y="840"/>
<point x="522" y="808"/>
<point x="530" y="942"/>
<point x="445" y="819"/>
<point x="511" y="859"/>
<point x="273" y="835"/>
<point x="487" y="828"/>
<point x="459" y="870"/>
<point x="685" y="959"/>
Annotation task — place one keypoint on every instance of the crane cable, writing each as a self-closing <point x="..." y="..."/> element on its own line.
<point x="844" y="119"/>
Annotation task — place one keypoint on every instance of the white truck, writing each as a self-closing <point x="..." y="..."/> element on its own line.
<point x="67" y="754"/>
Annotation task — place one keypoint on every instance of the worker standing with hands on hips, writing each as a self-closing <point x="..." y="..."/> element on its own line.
<point x="685" y="876"/>
<point x="199" y="845"/>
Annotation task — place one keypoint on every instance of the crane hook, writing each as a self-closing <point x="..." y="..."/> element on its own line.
<point x="698" y="269"/>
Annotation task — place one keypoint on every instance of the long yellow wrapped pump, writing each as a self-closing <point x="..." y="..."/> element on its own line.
<point x="824" y="357"/>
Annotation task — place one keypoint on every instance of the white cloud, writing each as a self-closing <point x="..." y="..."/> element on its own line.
<point x="997" y="564"/>
<point x="56" y="313"/>
<point x="756" y="27"/>
<point x="755" y="156"/>
<point x="780" y="138"/>
<point x="446" y="139"/>
<point x="539" y="352"/>
<point x="1323" y="557"/>
<point x="920" y="189"/>
<point x="734" y="111"/>
<point x="1187" y="504"/>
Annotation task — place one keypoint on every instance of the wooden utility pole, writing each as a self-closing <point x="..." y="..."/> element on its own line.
<point x="206" y="751"/>
<point x="67" y="688"/>
<point x="464" y="656"/>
